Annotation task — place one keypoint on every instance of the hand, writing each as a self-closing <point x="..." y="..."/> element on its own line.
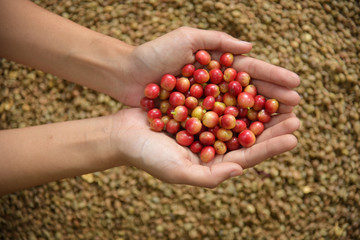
<point x="168" y="54"/>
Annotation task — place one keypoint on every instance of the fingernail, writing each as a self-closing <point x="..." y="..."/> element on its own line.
<point x="235" y="173"/>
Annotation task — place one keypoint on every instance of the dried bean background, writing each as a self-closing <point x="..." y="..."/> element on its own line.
<point x="312" y="192"/>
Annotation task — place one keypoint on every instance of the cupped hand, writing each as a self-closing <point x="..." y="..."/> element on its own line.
<point x="161" y="156"/>
<point x="168" y="54"/>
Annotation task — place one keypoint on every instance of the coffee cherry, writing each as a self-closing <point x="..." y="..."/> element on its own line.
<point x="220" y="147"/>
<point x="207" y="138"/>
<point x="201" y="76"/>
<point x="157" y="125"/>
<point x="240" y="125"/>
<point x="232" y="110"/>
<point x="207" y="154"/>
<point x="152" y="91"/>
<point x="153" y="113"/>
<point x="196" y="90"/>
<point x="172" y="126"/>
<point x="251" y="89"/>
<point x="176" y="99"/>
<point x="182" y="84"/>
<point x="234" y="88"/>
<point x="233" y="144"/>
<point x="229" y="74"/>
<point x="227" y="59"/>
<point x="245" y="100"/>
<point x="168" y="82"/>
<point x="208" y="102"/>
<point x="191" y="102"/>
<point x="198" y="112"/>
<point x="203" y="57"/>
<point x="259" y="102"/>
<point x="224" y="134"/>
<point x="213" y="65"/>
<point x="263" y="116"/>
<point x="188" y="70"/>
<point x="246" y="138"/>
<point x="196" y="147"/>
<point x="210" y="119"/>
<point x="184" y="138"/>
<point x="271" y="106"/>
<point x="256" y="127"/>
<point x="193" y="125"/>
<point x="227" y="121"/>
<point x="212" y="90"/>
<point x="147" y="103"/>
<point x="243" y="78"/>
<point x="180" y="113"/>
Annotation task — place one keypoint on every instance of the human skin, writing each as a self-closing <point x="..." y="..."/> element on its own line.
<point x="35" y="155"/>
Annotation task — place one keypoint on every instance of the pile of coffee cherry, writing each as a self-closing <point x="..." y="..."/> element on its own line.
<point x="211" y="109"/>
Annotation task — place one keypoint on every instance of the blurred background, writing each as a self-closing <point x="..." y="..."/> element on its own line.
<point x="312" y="192"/>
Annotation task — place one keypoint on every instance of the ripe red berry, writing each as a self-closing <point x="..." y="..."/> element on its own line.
<point x="271" y="106"/>
<point x="203" y="57"/>
<point x="182" y="84"/>
<point x="188" y="70"/>
<point x="196" y="147"/>
<point x="210" y="119"/>
<point x="256" y="127"/>
<point x="243" y="78"/>
<point x="172" y="126"/>
<point x="147" y="103"/>
<point x="233" y="144"/>
<point x="212" y="90"/>
<point x="245" y="100"/>
<point x="152" y="91"/>
<point x="216" y="76"/>
<point x="201" y="76"/>
<point x="176" y="99"/>
<point x="219" y="108"/>
<point x="153" y="113"/>
<point x="259" y="102"/>
<point x="227" y="59"/>
<point x="251" y="89"/>
<point x="180" y="113"/>
<point x="240" y="125"/>
<point x="157" y="125"/>
<point x="234" y="88"/>
<point x="227" y="121"/>
<point x="208" y="102"/>
<point x="246" y="138"/>
<point x="263" y="116"/>
<point x="213" y="65"/>
<point x="184" y="138"/>
<point x="207" y="154"/>
<point x="232" y="110"/>
<point x="207" y="138"/>
<point x="193" y="125"/>
<point x="168" y="82"/>
<point x="191" y="102"/>
<point x="196" y="90"/>
<point x="229" y="74"/>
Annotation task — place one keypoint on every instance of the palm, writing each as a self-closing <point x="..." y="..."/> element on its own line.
<point x="160" y="155"/>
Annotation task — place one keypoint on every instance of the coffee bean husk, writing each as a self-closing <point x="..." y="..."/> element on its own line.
<point x="312" y="192"/>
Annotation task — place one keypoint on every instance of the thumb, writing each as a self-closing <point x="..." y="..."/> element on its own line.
<point x="215" y="40"/>
<point x="210" y="176"/>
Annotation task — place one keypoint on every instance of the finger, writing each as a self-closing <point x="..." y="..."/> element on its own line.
<point x="285" y="108"/>
<point x="249" y="157"/>
<point x="215" y="40"/>
<point x="210" y="177"/>
<point x="279" y="118"/>
<point x="282" y="94"/>
<point x="267" y="72"/>
<point x="287" y="126"/>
